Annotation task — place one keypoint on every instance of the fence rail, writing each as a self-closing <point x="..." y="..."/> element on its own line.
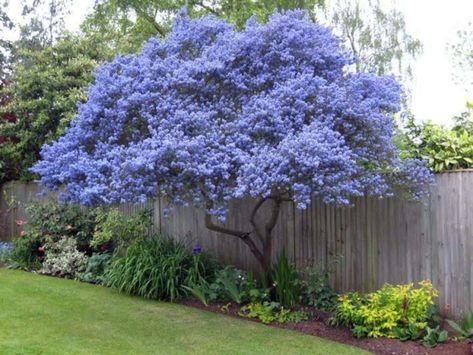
<point x="375" y="241"/>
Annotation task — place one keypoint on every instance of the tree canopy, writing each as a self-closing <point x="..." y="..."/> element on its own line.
<point x="211" y="114"/>
<point x="43" y="93"/>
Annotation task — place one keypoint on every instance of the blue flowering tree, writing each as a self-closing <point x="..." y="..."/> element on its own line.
<point x="212" y="114"/>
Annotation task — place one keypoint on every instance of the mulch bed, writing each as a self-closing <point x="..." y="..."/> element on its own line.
<point x="316" y="325"/>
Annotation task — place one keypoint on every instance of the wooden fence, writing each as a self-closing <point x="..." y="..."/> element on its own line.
<point x="375" y="241"/>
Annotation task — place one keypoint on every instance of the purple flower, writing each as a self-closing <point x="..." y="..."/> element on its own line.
<point x="197" y="249"/>
<point x="211" y="114"/>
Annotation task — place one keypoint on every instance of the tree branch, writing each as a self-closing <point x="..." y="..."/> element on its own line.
<point x="244" y="236"/>
<point x="258" y="205"/>
<point x="151" y="20"/>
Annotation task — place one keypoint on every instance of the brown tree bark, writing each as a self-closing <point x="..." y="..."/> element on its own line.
<point x="261" y="234"/>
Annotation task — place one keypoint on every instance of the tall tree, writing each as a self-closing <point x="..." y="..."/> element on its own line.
<point x="46" y="19"/>
<point x="461" y="52"/>
<point x="6" y="24"/>
<point x="376" y="36"/>
<point x="45" y="88"/>
<point x="212" y="114"/>
<point x="127" y="24"/>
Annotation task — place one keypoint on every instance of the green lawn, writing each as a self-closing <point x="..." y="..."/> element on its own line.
<point x="45" y="315"/>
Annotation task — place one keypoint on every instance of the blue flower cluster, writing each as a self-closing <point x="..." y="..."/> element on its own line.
<point x="213" y="114"/>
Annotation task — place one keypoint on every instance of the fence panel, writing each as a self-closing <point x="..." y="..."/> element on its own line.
<point x="374" y="241"/>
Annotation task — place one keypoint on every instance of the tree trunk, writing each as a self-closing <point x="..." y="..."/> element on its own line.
<point x="263" y="234"/>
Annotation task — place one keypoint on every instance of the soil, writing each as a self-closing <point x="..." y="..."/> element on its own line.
<point x="316" y="325"/>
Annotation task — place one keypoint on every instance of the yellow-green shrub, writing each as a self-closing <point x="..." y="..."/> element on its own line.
<point x="379" y="313"/>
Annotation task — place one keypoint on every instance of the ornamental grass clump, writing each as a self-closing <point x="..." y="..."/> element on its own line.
<point x="158" y="268"/>
<point x="384" y="312"/>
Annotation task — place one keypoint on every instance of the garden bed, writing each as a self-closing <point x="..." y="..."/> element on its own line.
<point x="316" y="325"/>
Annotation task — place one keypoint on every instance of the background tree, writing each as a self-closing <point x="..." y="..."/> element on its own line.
<point x="212" y="114"/>
<point x="129" y="23"/>
<point x="461" y="52"/>
<point x="376" y="36"/>
<point x="6" y="24"/>
<point x="43" y="95"/>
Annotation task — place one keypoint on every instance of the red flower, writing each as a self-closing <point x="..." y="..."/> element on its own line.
<point x="19" y="222"/>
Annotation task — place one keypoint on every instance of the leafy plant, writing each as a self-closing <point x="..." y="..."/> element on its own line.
<point x="25" y="253"/>
<point x="442" y="148"/>
<point x="157" y="268"/>
<point x="202" y="291"/>
<point x="411" y="332"/>
<point x="62" y="258"/>
<point x="379" y="313"/>
<point x="115" y="227"/>
<point x="95" y="269"/>
<point x="268" y="312"/>
<point x="286" y="281"/>
<point x="464" y="330"/>
<point x="315" y="289"/>
<point x="51" y="221"/>
<point x="434" y="336"/>
<point x="235" y="285"/>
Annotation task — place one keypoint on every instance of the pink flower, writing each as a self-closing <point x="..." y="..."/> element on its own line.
<point x="22" y="233"/>
<point x="68" y="227"/>
<point x="41" y="249"/>
<point x="19" y="222"/>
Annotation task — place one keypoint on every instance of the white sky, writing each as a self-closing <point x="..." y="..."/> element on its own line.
<point x="435" y="22"/>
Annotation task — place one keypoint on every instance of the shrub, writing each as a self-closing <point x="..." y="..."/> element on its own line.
<point x="62" y="258"/>
<point x="52" y="221"/>
<point x="157" y="268"/>
<point x="442" y="148"/>
<point x="379" y="313"/>
<point x="229" y="284"/>
<point x="315" y="289"/>
<point x="25" y="253"/>
<point x="95" y="269"/>
<point x="286" y="281"/>
<point x="118" y="229"/>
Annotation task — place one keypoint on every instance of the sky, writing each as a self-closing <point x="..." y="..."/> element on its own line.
<point x="435" y="96"/>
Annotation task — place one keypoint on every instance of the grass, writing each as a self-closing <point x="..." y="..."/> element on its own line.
<point x="45" y="315"/>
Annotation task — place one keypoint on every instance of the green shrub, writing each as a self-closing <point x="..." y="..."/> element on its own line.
<point x="286" y="281"/>
<point x="315" y="289"/>
<point x="158" y="268"/>
<point x="62" y="258"/>
<point x="115" y="227"/>
<point x="95" y="269"/>
<point x="25" y="253"/>
<point x="51" y="221"/>
<point x="229" y="284"/>
<point x="442" y="148"/>
<point x="381" y="312"/>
